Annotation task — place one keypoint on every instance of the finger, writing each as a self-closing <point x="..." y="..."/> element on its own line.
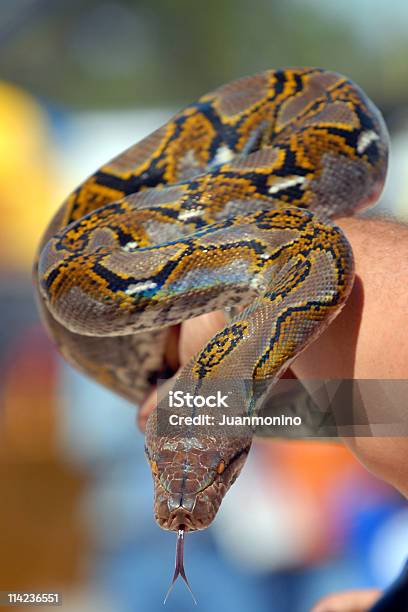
<point x="171" y="351"/>
<point x="146" y="408"/>
<point x="195" y="333"/>
<point x="349" y="601"/>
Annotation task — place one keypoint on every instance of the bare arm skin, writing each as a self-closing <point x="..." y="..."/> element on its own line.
<point x="370" y="335"/>
<point x="369" y="339"/>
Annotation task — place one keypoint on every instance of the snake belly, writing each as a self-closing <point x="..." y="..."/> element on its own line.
<point x="230" y="203"/>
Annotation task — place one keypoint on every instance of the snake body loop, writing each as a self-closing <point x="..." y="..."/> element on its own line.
<point x="228" y="204"/>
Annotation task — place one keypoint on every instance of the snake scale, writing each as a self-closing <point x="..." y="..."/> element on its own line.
<point x="228" y="205"/>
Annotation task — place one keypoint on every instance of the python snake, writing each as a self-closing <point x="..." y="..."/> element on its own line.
<point x="228" y="205"/>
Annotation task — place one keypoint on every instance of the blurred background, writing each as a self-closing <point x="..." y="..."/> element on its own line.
<point x="80" y="80"/>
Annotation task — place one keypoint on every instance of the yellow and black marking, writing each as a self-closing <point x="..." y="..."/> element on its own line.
<point x="216" y="350"/>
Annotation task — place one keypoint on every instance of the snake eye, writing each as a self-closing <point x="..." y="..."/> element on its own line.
<point x="154" y="468"/>
<point x="220" y="467"/>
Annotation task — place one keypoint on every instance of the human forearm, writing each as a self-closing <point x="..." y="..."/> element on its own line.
<point x="369" y="338"/>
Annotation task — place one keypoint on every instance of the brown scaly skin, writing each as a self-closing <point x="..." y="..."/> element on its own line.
<point x="227" y="204"/>
<point x="194" y="501"/>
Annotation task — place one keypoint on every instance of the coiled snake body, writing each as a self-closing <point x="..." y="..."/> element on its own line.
<point x="229" y="203"/>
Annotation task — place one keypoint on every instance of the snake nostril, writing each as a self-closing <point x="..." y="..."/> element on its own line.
<point x="188" y="502"/>
<point x="185" y="503"/>
<point x="174" y="502"/>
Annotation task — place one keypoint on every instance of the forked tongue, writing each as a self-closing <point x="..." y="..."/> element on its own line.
<point x="179" y="565"/>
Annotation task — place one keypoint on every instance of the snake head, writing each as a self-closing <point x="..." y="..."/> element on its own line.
<point x="191" y="475"/>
